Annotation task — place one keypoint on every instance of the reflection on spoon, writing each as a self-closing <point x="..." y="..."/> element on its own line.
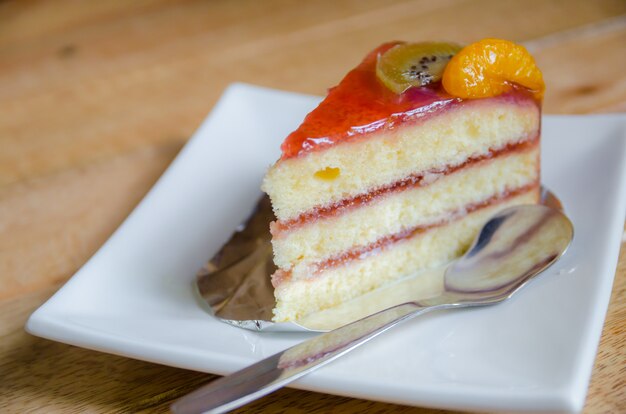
<point x="512" y="248"/>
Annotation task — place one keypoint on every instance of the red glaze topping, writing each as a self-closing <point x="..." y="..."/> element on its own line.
<point x="361" y="104"/>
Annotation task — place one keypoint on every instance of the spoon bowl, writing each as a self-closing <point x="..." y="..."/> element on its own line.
<point x="512" y="248"/>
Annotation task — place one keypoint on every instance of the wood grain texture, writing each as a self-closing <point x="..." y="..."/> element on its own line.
<point x="96" y="98"/>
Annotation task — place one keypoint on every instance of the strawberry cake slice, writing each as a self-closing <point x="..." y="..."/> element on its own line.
<point x="399" y="167"/>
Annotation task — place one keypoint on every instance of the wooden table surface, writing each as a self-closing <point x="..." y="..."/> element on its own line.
<point x="96" y="98"/>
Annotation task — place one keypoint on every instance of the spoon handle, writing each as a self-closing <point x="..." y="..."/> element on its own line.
<point x="272" y="373"/>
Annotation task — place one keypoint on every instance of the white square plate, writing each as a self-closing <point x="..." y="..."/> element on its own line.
<point x="135" y="295"/>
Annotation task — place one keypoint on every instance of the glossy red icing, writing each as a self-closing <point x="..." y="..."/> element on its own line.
<point x="361" y="104"/>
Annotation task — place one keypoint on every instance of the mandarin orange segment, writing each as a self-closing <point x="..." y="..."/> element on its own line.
<point x="489" y="68"/>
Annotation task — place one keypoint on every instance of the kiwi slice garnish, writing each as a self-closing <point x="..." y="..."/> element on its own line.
<point x="414" y="64"/>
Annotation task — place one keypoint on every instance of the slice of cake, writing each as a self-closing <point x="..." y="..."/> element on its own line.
<point x="399" y="167"/>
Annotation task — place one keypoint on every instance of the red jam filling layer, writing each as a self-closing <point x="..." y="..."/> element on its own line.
<point x="360" y="104"/>
<point x="415" y="180"/>
<point x="362" y="252"/>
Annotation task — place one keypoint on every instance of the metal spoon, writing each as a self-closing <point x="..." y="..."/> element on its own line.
<point x="513" y="247"/>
